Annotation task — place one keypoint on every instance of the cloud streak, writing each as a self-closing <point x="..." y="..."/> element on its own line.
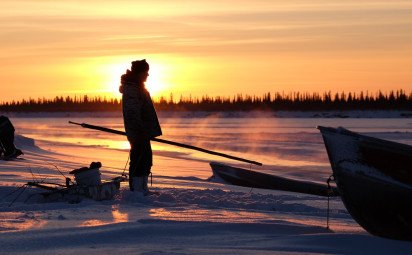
<point x="43" y="33"/>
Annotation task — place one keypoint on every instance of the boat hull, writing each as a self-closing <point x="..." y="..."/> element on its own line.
<point x="374" y="180"/>
<point x="247" y="178"/>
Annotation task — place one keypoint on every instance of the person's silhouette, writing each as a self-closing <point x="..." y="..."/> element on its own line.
<point x="140" y="122"/>
<point x="7" y="148"/>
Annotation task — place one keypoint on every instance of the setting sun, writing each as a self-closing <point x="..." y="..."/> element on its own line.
<point x="156" y="82"/>
<point x="110" y="76"/>
<point x="205" y="48"/>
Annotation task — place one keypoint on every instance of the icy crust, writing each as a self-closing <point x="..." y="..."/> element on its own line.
<point x="221" y="199"/>
<point x="187" y="221"/>
<point x="180" y="198"/>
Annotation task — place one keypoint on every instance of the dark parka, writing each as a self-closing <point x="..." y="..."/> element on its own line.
<point x="5" y="126"/>
<point x="140" y="118"/>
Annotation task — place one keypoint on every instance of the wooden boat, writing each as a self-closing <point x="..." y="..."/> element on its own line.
<point x="247" y="178"/>
<point x="374" y="178"/>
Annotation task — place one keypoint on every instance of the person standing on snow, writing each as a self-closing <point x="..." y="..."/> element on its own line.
<point x="140" y="122"/>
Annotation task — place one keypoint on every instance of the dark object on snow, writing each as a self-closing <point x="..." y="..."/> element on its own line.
<point x="5" y="125"/>
<point x="8" y="150"/>
<point x="247" y="178"/>
<point x="75" y="193"/>
<point x="83" y="169"/>
<point x="88" y="184"/>
<point x="118" y="132"/>
<point x="88" y="176"/>
<point x="374" y="178"/>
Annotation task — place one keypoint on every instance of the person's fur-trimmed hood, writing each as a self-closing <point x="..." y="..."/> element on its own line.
<point x="128" y="79"/>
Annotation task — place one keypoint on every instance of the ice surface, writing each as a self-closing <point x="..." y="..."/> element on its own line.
<point x="191" y="215"/>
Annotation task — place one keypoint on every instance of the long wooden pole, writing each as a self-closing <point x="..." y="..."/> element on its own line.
<point x="118" y="132"/>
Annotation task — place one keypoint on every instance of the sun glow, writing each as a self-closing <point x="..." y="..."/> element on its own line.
<point x="155" y="84"/>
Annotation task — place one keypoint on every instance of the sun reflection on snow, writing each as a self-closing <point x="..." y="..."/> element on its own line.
<point x="119" y="144"/>
<point x="116" y="217"/>
<point x="18" y="221"/>
<point x="231" y="216"/>
<point x="119" y="216"/>
<point x="93" y="223"/>
<point x="207" y="215"/>
<point x="334" y="225"/>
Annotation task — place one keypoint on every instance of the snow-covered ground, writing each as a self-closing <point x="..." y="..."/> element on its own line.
<point x="192" y="214"/>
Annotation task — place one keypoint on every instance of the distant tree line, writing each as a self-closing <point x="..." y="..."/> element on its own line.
<point x="295" y="101"/>
<point x="63" y="104"/>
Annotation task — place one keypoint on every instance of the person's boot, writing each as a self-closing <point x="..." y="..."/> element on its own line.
<point x="146" y="190"/>
<point x="138" y="184"/>
<point x="1" y="151"/>
<point x="14" y="154"/>
<point x="131" y="183"/>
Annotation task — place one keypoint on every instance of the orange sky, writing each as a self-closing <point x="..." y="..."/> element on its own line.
<point x="213" y="47"/>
